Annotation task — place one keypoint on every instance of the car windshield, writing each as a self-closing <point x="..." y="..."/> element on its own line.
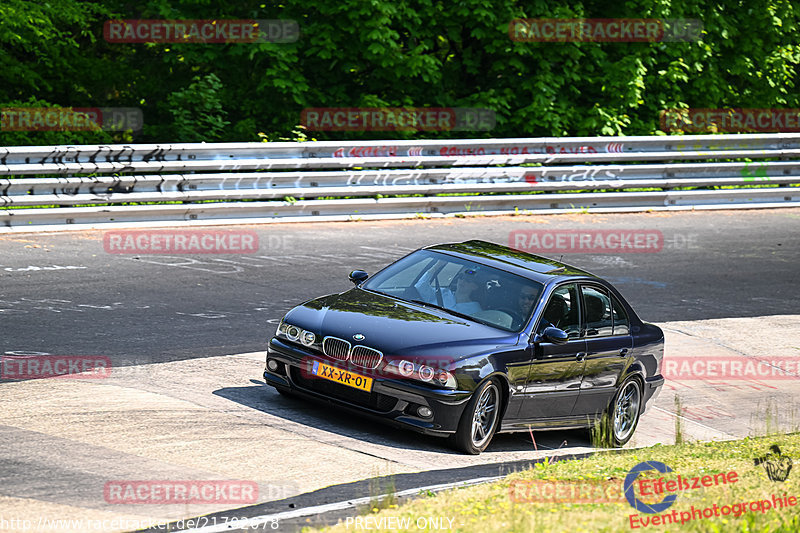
<point x="464" y="288"/>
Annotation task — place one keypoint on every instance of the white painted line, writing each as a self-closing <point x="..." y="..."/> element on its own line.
<point x="338" y="506"/>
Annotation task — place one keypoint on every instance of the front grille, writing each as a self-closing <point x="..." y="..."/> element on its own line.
<point x="336" y="348"/>
<point x="370" y="400"/>
<point x="365" y="357"/>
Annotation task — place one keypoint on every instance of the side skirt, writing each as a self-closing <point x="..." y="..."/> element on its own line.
<point x="548" y="424"/>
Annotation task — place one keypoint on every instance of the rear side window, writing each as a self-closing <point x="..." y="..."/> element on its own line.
<point x="621" y="324"/>
<point x="598" y="312"/>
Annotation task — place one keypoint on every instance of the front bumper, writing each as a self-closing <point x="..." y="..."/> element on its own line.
<point x="392" y="400"/>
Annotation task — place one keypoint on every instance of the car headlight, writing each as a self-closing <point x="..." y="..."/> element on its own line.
<point x="428" y="374"/>
<point x="295" y="334"/>
<point x="445" y="379"/>
<point x="308" y="338"/>
<point x="406" y="368"/>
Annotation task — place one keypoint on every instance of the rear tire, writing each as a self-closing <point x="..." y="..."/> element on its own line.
<point x="480" y="419"/>
<point x="622" y="416"/>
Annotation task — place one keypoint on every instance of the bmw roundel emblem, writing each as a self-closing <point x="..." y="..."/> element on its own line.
<point x="358" y="337"/>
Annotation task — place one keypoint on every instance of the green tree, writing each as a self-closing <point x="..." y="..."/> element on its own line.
<point x="420" y="53"/>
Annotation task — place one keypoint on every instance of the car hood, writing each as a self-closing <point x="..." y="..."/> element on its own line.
<point x="396" y="327"/>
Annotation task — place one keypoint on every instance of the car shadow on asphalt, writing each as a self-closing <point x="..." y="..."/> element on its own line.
<point x="321" y="415"/>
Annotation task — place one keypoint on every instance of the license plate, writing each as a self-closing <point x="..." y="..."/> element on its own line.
<point x="340" y="375"/>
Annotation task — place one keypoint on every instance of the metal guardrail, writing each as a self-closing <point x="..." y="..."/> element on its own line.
<point x="409" y="148"/>
<point x="258" y="182"/>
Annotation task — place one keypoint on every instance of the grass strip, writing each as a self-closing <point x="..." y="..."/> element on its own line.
<point x="587" y="495"/>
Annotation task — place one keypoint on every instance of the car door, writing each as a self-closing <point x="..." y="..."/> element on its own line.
<point x="608" y="348"/>
<point x="554" y="375"/>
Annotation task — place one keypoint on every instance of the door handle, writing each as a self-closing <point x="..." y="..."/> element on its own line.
<point x="580" y="356"/>
<point x="623" y="351"/>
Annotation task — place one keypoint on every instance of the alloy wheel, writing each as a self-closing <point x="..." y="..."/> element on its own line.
<point x="626" y="410"/>
<point x="485" y="416"/>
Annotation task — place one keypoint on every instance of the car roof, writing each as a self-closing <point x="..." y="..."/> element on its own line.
<point x="522" y="263"/>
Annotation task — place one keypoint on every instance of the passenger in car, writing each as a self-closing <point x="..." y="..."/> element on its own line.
<point x="465" y="300"/>
<point x="462" y="299"/>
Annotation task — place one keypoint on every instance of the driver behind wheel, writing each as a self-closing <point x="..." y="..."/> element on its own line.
<point x="555" y="312"/>
<point x="526" y="299"/>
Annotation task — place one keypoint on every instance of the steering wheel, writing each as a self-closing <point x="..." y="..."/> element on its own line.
<point x="516" y="318"/>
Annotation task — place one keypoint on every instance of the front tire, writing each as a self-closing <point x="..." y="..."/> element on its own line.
<point x="479" y="420"/>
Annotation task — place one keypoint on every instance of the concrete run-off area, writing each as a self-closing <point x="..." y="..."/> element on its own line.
<point x="64" y="440"/>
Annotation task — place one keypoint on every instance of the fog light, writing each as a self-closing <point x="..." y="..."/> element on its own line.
<point x="272" y="364"/>
<point x="424" y="412"/>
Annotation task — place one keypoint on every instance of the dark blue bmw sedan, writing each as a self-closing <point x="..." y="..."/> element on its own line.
<point x="470" y="339"/>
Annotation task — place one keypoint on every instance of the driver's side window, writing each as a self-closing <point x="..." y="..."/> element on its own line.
<point x="562" y="310"/>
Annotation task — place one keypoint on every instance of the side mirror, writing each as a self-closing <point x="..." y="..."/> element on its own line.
<point x="357" y="276"/>
<point x="555" y="335"/>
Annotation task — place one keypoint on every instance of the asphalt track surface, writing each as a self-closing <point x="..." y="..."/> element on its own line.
<point x="63" y="294"/>
<point x="151" y="308"/>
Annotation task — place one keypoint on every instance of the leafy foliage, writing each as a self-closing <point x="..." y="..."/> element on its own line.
<point x="419" y="53"/>
<point x="197" y="110"/>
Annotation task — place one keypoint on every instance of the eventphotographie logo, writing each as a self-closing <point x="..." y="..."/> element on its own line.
<point x="630" y="493"/>
<point x="776" y="465"/>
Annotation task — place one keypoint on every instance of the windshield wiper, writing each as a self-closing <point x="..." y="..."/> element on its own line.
<point x="456" y="313"/>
